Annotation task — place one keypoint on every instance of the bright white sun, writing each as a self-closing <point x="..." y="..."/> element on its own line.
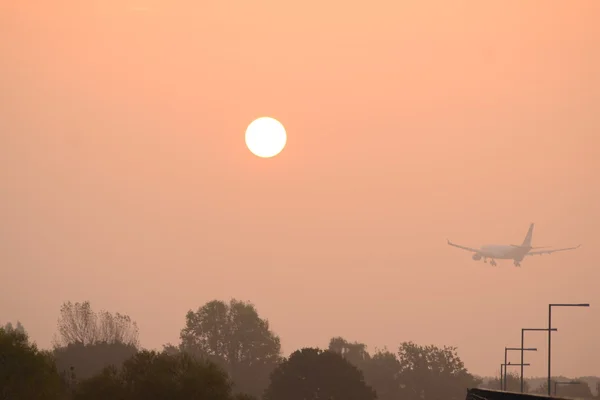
<point x="265" y="137"/>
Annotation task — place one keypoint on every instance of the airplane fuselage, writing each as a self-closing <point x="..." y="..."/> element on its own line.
<point x="503" y="252"/>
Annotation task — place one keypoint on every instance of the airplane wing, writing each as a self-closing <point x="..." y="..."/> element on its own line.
<point x="463" y="247"/>
<point x="539" y="253"/>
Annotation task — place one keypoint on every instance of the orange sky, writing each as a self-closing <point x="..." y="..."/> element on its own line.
<point x="125" y="179"/>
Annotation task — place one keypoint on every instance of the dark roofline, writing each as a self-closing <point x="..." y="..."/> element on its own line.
<point x="489" y="394"/>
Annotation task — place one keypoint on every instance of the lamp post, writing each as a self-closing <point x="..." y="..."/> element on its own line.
<point x="550" y="338"/>
<point x="507" y="349"/>
<point x="565" y="383"/>
<point x="503" y="384"/>
<point x="523" y="344"/>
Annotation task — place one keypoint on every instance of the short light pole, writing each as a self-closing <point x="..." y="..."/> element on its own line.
<point x="550" y="338"/>
<point x="506" y="350"/>
<point x="564" y="383"/>
<point x="503" y="367"/>
<point x="522" y="351"/>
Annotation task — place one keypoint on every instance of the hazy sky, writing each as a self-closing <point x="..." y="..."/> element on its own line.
<point x="125" y="180"/>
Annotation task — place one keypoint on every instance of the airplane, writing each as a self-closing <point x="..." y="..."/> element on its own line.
<point x="509" y="252"/>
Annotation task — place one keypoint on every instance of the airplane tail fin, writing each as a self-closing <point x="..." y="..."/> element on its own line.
<point x="527" y="241"/>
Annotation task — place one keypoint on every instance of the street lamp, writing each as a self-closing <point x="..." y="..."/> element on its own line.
<point x="565" y="383"/>
<point x="506" y="349"/>
<point x="523" y="344"/>
<point x="550" y="338"/>
<point x="503" y="370"/>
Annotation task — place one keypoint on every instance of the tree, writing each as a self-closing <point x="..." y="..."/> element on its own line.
<point x="433" y="373"/>
<point x="117" y="328"/>
<point x="171" y="349"/>
<point x="380" y="370"/>
<point x="236" y="338"/>
<point x="578" y="391"/>
<point x="78" y="323"/>
<point x="244" y="396"/>
<point x="151" y="375"/>
<point x="382" y="373"/>
<point x="84" y="361"/>
<point x="88" y="341"/>
<point x="356" y="353"/>
<point x="108" y="384"/>
<point x="311" y="374"/>
<point x="513" y="383"/>
<point x="10" y="328"/>
<point x="25" y="371"/>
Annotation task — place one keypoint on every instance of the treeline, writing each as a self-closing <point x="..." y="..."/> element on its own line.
<point x="226" y="351"/>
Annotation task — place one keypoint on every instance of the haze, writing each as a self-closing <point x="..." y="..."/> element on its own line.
<point x="125" y="179"/>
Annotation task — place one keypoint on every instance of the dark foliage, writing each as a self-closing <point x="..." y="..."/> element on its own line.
<point x="149" y="375"/>
<point x="236" y="338"/>
<point x="227" y="352"/>
<point x="25" y="371"/>
<point x="311" y="374"/>
<point x="81" y="361"/>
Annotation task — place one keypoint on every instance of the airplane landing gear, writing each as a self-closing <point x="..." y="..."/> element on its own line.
<point x="517" y="264"/>
<point x="493" y="263"/>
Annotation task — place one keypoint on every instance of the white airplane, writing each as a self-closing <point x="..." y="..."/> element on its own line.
<point x="509" y="252"/>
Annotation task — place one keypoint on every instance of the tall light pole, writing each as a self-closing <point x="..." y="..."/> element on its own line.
<point x="523" y="344"/>
<point x="550" y="338"/>
<point x="506" y="350"/>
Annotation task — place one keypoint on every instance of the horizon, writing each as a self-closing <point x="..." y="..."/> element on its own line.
<point x="484" y="377"/>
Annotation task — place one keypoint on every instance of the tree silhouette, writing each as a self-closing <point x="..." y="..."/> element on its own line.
<point x="25" y="371"/>
<point x="151" y="375"/>
<point x="433" y="373"/>
<point x="78" y="323"/>
<point x="88" y="341"/>
<point x="84" y="361"/>
<point x="227" y="352"/>
<point x="382" y="373"/>
<point x="8" y="327"/>
<point x="356" y="353"/>
<point x="513" y="383"/>
<point x="236" y="338"/>
<point x="581" y="390"/>
<point x="311" y="374"/>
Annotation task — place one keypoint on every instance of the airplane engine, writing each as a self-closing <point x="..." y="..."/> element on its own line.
<point x="476" y="257"/>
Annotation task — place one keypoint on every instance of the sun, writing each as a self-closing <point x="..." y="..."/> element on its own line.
<point x="265" y="137"/>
